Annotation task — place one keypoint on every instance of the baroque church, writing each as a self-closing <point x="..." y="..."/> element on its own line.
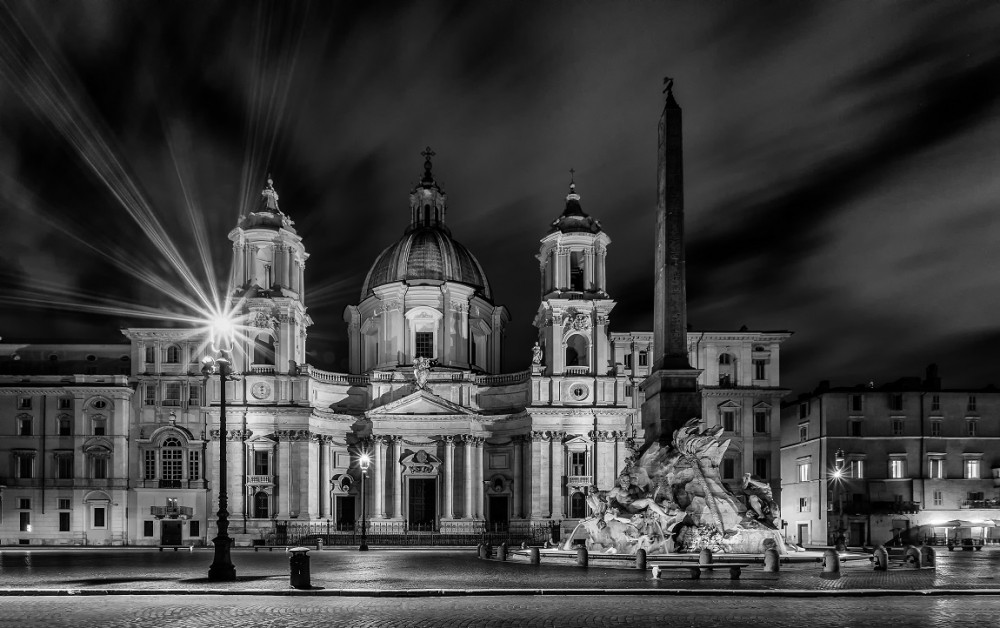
<point x="119" y="444"/>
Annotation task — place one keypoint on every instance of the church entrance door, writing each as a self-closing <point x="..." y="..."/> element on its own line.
<point x="499" y="516"/>
<point x="422" y="506"/>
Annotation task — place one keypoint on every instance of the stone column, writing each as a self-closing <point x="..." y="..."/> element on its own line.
<point x="469" y="451"/>
<point x="589" y="271"/>
<point x="397" y="488"/>
<point x="516" y="491"/>
<point x="477" y="479"/>
<point x="449" y="477"/>
<point x="325" y="474"/>
<point x="378" y="478"/>
<point x="558" y="468"/>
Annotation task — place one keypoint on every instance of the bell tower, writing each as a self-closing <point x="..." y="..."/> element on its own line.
<point x="268" y="286"/>
<point x="572" y="319"/>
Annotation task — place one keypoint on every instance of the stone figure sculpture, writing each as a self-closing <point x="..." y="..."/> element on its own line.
<point x="536" y="354"/>
<point x="421" y="369"/>
<point x="759" y="500"/>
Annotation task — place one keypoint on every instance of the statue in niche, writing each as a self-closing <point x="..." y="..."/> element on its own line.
<point x="536" y="355"/>
<point x="421" y="369"/>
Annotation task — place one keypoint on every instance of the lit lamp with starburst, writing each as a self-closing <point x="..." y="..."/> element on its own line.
<point x="364" y="461"/>
<point x="223" y="332"/>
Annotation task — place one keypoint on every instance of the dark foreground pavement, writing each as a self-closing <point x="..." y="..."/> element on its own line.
<point x="515" y="611"/>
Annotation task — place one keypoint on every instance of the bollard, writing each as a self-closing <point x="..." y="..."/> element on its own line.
<point x="502" y="551"/>
<point x="535" y="556"/>
<point x="927" y="556"/>
<point x="640" y="559"/>
<point x="881" y="558"/>
<point x="705" y="557"/>
<point x="831" y="564"/>
<point x="524" y="545"/>
<point x="481" y="550"/>
<point x="771" y="562"/>
<point x="298" y="565"/>
<point x="319" y="544"/>
<point x="912" y="557"/>
<point x="489" y="551"/>
<point x="581" y="556"/>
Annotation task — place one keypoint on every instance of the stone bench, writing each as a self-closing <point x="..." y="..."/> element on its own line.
<point x="735" y="569"/>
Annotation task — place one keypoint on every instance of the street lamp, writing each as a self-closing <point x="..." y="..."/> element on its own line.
<point x="364" y="461"/>
<point x="838" y="475"/>
<point x="222" y="568"/>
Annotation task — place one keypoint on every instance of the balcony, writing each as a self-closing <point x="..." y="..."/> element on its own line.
<point x="981" y="503"/>
<point x="579" y="480"/>
<point x="260" y="479"/>
<point x="171" y="512"/>
<point x="577" y="370"/>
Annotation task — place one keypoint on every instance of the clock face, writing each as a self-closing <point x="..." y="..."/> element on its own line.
<point x="260" y="390"/>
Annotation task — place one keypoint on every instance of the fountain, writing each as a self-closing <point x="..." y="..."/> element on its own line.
<point x="671" y="500"/>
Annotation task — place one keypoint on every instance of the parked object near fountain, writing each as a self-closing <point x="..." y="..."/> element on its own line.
<point x="672" y="500"/>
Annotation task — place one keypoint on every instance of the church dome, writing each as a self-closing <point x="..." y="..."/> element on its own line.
<point x="426" y="253"/>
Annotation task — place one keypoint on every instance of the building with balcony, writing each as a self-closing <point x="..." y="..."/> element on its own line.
<point x="914" y="456"/>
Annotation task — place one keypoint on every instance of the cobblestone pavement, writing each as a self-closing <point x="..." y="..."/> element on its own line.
<point x="396" y="571"/>
<point x="527" y="611"/>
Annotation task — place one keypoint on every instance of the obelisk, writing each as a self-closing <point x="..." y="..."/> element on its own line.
<point x="672" y="396"/>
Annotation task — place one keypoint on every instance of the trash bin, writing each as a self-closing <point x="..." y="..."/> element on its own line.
<point x="298" y="567"/>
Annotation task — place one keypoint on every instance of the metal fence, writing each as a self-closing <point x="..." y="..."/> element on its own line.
<point x="402" y="533"/>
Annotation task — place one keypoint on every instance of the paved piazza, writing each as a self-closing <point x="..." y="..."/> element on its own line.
<point x="675" y="612"/>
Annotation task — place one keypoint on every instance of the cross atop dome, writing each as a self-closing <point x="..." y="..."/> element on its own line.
<point x="428" y="178"/>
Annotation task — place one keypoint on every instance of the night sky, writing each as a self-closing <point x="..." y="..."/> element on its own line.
<point x="841" y="160"/>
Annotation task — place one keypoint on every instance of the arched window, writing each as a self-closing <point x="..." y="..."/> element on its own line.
<point x="263" y="350"/>
<point x="576" y="271"/>
<point x="173" y="355"/>
<point x="171" y="463"/>
<point x="261" y="505"/>
<point x="577" y="351"/>
<point x="577" y="506"/>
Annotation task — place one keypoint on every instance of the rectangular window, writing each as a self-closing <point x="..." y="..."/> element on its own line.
<point x="728" y="468"/>
<point x="64" y="503"/>
<point x="578" y="463"/>
<point x="857" y="468"/>
<point x="99" y="517"/>
<point x="897" y="468"/>
<point x="24" y="403"/>
<point x="195" y="528"/>
<point x="935" y="428"/>
<point x="25" y="523"/>
<point x="150" y="396"/>
<point x="935" y="468"/>
<point x="629" y="390"/>
<point x="938" y="498"/>
<point x="172" y="394"/>
<point x="24" y="427"/>
<point x="729" y="420"/>
<point x="970" y="428"/>
<point x="935" y="403"/>
<point x="24" y="503"/>
<point x="857" y="403"/>
<point x="100" y="466"/>
<point x="147" y="528"/>
<point x="760" y="467"/>
<point x="423" y="344"/>
<point x="150" y="356"/>
<point x="64" y="521"/>
<point x="100" y="426"/>
<point x="194" y="465"/>
<point x="261" y="463"/>
<point x="897" y="427"/>
<point x="971" y="406"/>
<point x="803" y="504"/>
<point x="974" y="496"/>
<point x="643" y="358"/>
<point x="803" y="432"/>
<point x="854" y="428"/>
<point x="972" y="469"/>
<point x="65" y="427"/>
<point x="25" y="466"/>
<point x="803" y="410"/>
<point x="149" y="464"/>
<point x="194" y="395"/>
<point x="628" y="361"/>
<point x="896" y="401"/>
<point x="760" y="421"/>
<point x="172" y="464"/>
<point x="803" y="471"/>
<point x="65" y="403"/>
<point x="64" y="467"/>
<point x="760" y="369"/>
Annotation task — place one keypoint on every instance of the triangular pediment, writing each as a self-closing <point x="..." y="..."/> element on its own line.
<point x="421" y="402"/>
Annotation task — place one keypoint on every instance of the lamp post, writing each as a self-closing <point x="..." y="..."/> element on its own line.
<point x="364" y="461"/>
<point x="222" y="568"/>
<point x="838" y="478"/>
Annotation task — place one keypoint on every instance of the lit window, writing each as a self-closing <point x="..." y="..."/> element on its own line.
<point x="25" y="521"/>
<point x="935" y="428"/>
<point x="938" y="498"/>
<point x="803" y="471"/>
<point x="857" y="468"/>
<point x="972" y="469"/>
<point x="935" y="468"/>
<point x="897" y="468"/>
<point x="424" y="344"/>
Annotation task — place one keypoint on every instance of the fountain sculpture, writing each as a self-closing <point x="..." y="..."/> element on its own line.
<point x="672" y="500"/>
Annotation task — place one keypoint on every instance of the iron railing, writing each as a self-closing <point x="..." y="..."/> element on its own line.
<point x="404" y="533"/>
